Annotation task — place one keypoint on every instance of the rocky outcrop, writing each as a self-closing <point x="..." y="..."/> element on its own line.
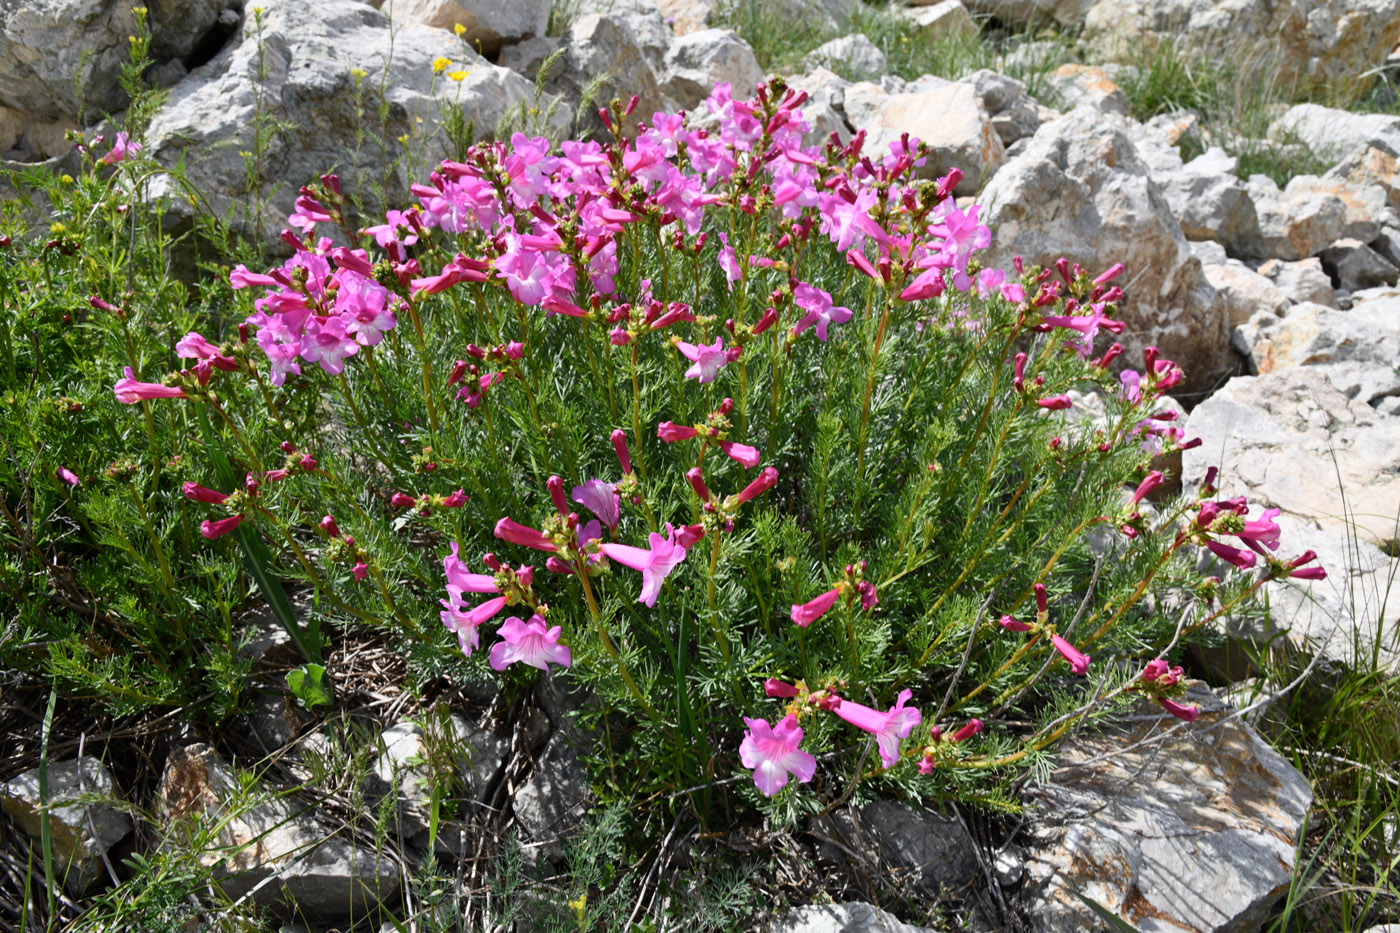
<point x="948" y="118"/>
<point x="1192" y="828"/>
<point x="696" y="62"/>
<point x="486" y="26"/>
<point x="1080" y="190"/>
<point x="1311" y="43"/>
<point x="307" y="111"/>
<point x="83" y="823"/>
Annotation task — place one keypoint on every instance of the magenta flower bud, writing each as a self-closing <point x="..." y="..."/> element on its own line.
<point x="1187" y="713"/>
<point x="1240" y="558"/>
<point x="1018" y="377"/>
<point x="1149" y="483"/>
<point x="360" y="570"/>
<point x="555" y="485"/>
<point x="1110" y="355"/>
<point x="624" y="458"/>
<point x="456" y="500"/>
<point x="1040" y="605"/>
<point x="1011" y="625"/>
<point x="689" y="534"/>
<point x="1109" y="274"/>
<point x="774" y="687"/>
<point x="507" y="529"/>
<point x="492" y="561"/>
<point x="948" y="182"/>
<point x="670" y="432"/>
<point x="198" y="493"/>
<point x="973" y="727"/>
<point x="869" y="599"/>
<point x="1054" y="402"/>
<point x="1154" y="670"/>
<point x="769" y="318"/>
<point x="401" y="501"/>
<point x="1078" y="660"/>
<point x="619" y="337"/>
<point x="857" y="259"/>
<point x="765" y="481"/>
<point x="805" y="614"/>
<point x="128" y="391"/>
<point x="556" y="565"/>
<point x="329" y="526"/>
<point x="212" y="530"/>
<point x="742" y="453"/>
<point x="697" y="482"/>
<point x="631" y="105"/>
<point x="287" y="447"/>
<point x="459" y="369"/>
<point x="68" y="476"/>
<point x="331" y="181"/>
<point x="307" y="462"/>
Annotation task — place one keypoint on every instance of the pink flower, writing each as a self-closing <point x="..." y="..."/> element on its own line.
<point x="1011" y="625"/>
<point x="1078" y="661"/>
<point x="507" y="529"/>
<point x="601" y="499"/>
<point x="820" y="311"/>
<point x="123" y="148"/>
<point x="212" y="529"/>
<point x="1238" y="556"/>
<point x="1261" y="531"/>
<point x="464" y="622"/>
<point x="329" y="526"/>
<point x="198" y="493"/>
<point x="1054" y="402"/>
<point x="360" y="570"/>
<point x="1180" y="711"/>
<point x="765" y="481"/>
<point x="655" y="564"/>
<point x="129" y="391"/>
<point x="1150" y="482"/>
<point x="774" y="687"/>
<point x="743" y="453"/>
<point x="670" y="432"/>
<point x="887" y="727"/>
<point x="459" y="581"/>
<point x="1297" y="570"/>
<point x="328" y="343"/>
<point x="772" y="753"/>
<point x="624" y="458"/>
<point x="531" y="643"/>
<point x="68" y="476"/>
<point x="707" y="360"/>
<point x="807" y="613"/>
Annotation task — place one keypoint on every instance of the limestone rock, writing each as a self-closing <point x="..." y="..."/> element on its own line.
<point x="1015" y="114"/>
<point x="527" y="56"/>
<point x="944" y="20"/>
<point x="1080" y="190"/>
<point x="855" y="56"/>
<point x="1028" y="12"/>
<point x="686" y="16"/>
<point x="645" y="21"/>
<point x="1243" y="292"/>
<point x="949" y="119"/>
<point x="1193" y="830"/>
<point x="488" y="25"/>
<point x="1365" y="339"/>
<point x="1301" y="281"/>
<point x="1291" y="439"/>
<point x="1074" y="86"/>
<point x="1332" y="134"/>
<point x="931" y="853"/>
<point x="1209" y="252"/>
<point x="1297" y="221"/>
<point x="1313" y="42"/>
<point x="83" y="824"/>
<point x="249" y="838"/>
<point x="309" y="52"/>
<point x="696" y="61"/>
<point x="1369" y="165"/>
<point x="552" y="802"/>
<point x="45" y="44"/>
<point x="1211" y="203"/>
<point x="605" y="44"/>
<point x="855" y="917"/>
<point x="1354" y="265"/>
<point x="1366" y="207"/>
<point x="405" y="764"/>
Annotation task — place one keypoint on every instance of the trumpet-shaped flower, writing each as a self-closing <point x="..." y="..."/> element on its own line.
<point x="654" y="563"/>
<point x="706" y="360"/>
<point x="772" y="754"/>
<point x="601" y="499"/>
<point x="129" y="391"/>
<point x="533" y="643"/>
<point x="820" y="311"/>
<point x="1078" y="660"/>
<point x="805" y="614"/>
<point x="888" y="727"/>
<point x="508" y="529"/>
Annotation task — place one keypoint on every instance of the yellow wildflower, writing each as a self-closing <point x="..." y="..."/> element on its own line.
<point x="440" y="64"/>
<point x="459" y="29"/>
<point x="458" y="75"/>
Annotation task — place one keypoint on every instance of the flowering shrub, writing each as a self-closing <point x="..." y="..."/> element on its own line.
<point x="735" y="434"/>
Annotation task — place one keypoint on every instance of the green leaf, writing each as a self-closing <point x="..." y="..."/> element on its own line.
<point x="1104" y="914"/>
<point x="310" y="686"/>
